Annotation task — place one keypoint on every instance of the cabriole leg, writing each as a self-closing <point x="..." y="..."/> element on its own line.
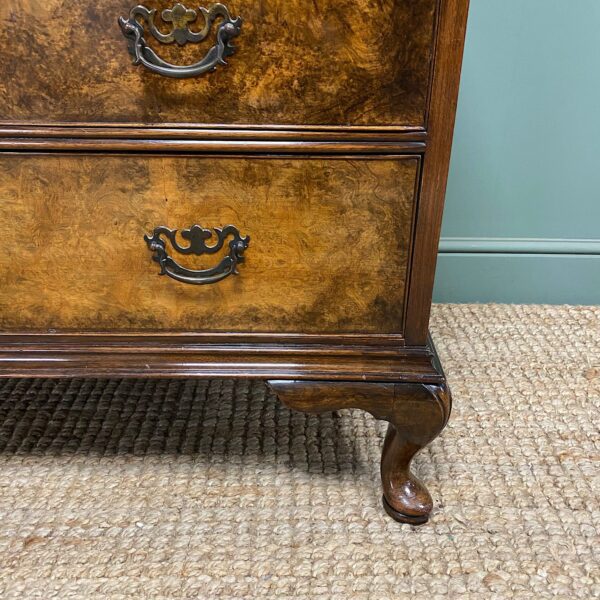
<point x="416" y="414"/>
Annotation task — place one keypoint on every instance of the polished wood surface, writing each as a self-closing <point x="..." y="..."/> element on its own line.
<point x="215" y="133"/>
<point x="279" y="356"/>
<point x="332" y="62"/>
<point x="193" y="144"/>
<point x="444" y="97"/>
<point x="416" y="415"/>
<point x="330" y="242"/>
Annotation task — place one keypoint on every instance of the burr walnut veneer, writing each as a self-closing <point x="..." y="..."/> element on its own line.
<point x="243" y="190"/>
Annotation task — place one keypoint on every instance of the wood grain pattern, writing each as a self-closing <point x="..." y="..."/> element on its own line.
<point x="329" y="250"/>
<point x="329" y="62"/>
<point x="416" y="415"/>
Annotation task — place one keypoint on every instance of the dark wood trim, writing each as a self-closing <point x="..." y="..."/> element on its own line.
<point x="204" y="146"/>
<point x="140" y="356"/>
<point x="226" y="155"/>
<point x="444" y="97"/>
<point x="381" y="342"/>
<point x="223" y="127"/>
<point x="187" y="133"/>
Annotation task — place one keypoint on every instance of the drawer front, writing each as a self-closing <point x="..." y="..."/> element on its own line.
<point x="336" y="62"/>
<point x="328" y="250"/>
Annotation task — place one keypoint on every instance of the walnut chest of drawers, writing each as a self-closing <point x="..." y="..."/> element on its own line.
<point x="246" y="190"/>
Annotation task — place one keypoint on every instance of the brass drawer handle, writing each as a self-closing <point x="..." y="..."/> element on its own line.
<point x="197" y="237"/>
<point x="181" y="18"/>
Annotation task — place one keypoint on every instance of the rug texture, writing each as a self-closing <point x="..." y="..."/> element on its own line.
<point x="195" y="489"/>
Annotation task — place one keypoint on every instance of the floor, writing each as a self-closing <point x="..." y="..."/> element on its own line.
<point x="192" y="489"/>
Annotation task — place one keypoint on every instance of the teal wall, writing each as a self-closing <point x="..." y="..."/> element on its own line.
<point x="522" y="219"/>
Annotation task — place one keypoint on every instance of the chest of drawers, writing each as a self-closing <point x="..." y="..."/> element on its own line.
<point x="252" y="190"/>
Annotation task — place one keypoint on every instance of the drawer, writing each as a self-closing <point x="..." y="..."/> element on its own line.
<point x="331" y="63"/>
<point x="328" y="250"/>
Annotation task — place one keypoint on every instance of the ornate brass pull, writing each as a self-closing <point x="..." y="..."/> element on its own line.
<point x="181" y="18"/>
<point x="197" y="236"/>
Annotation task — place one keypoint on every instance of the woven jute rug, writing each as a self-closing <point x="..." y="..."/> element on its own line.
<point x="194" y="489"/>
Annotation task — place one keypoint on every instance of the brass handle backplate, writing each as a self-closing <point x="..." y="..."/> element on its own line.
<point x="180" y="19"/>
<point x="197" y="237"/>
